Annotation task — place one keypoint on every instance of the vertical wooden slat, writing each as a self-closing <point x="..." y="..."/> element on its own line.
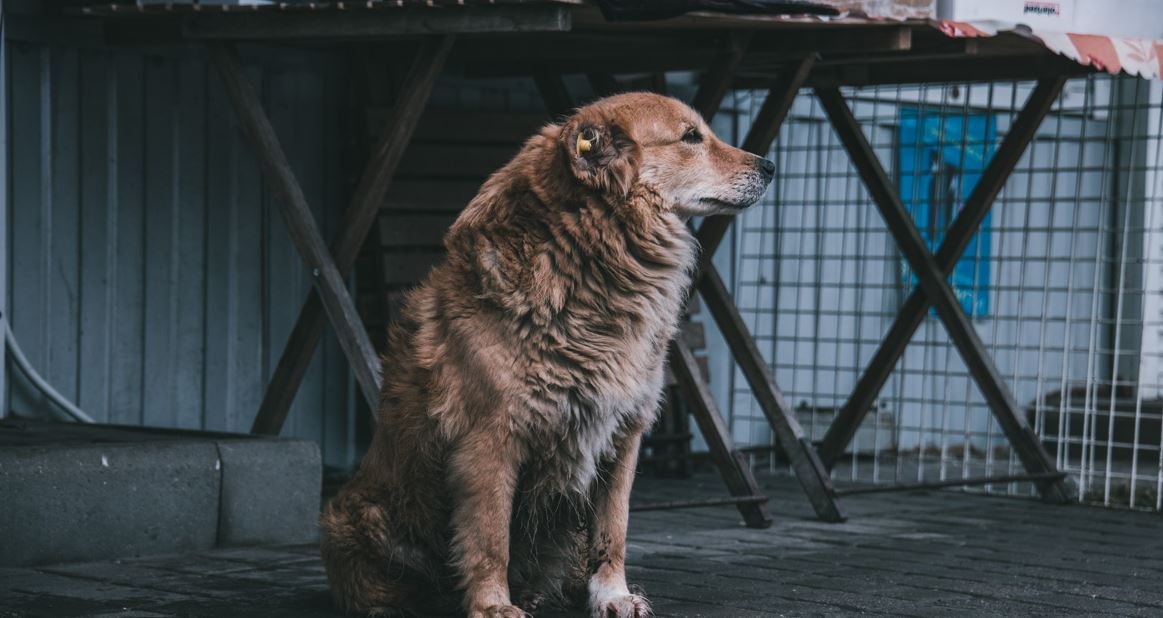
<point x="5" y="406"/>
<point x="112" y="222"/>
<point x="43" y="207"/>
<point x="27" y="266"/>
<point x="126" y="392"/>
<point x="222" y="236"/>
<point x="236" y="317"/>
<point x="281" y="268"/>
<point x="190" y="323"/>
<point x="248" y="253"/>
<point x="162" y="207"/>
<point x="98" y="232"/>
<point x="62" y="311"/>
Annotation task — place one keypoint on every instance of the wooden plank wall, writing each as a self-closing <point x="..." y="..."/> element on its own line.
<point x="150" y="278"/>
<point x="4" y="87"/>
<point x="451" y="154"/>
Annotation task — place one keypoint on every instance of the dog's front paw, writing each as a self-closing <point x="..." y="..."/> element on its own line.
<point x="622" y="606"/>
<point x="499" y="611"/>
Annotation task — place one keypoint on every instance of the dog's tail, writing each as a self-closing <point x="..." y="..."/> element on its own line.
<point x="368" y="570"/>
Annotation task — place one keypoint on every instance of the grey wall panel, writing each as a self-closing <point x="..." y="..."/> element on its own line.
<point x="98" y="234"/>
<point x="127" y="355"/>
<point x="151" y="278"/>
<point x="3" y="212"/>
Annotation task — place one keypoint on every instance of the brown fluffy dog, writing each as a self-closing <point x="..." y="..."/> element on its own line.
<point x="525" y="369"/>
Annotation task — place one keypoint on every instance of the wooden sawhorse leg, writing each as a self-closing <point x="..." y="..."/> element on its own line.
<point x="934" y="289"/>
<point x="732" y="463"/>
<point x="329" y="297"/>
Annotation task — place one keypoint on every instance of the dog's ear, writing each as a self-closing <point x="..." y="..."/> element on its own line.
<point x="600" y="155"/>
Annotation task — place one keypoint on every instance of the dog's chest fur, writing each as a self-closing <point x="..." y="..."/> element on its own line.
<point x="602" y="350"/>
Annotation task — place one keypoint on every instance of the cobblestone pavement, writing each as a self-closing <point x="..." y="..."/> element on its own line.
<point x="919" y="554"/>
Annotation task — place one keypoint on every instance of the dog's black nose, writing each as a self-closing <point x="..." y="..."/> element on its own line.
<point x="767" y="166"/>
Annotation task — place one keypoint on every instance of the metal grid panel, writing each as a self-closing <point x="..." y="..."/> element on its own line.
<point x="1064" y="284"/>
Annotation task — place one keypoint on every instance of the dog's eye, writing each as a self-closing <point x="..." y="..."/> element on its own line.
<point x="692" y="136"/>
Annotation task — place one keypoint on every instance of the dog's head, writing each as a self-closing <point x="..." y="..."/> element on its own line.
<point x="650" y="144"/>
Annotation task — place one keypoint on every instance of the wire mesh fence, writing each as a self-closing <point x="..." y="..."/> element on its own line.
<point x="1063" y="282"/>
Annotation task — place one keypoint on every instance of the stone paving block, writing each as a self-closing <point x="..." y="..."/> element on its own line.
<point x="694" y="610"/>
<point x="730" y="602"/>
<point x="199" y="586"/>
<point x="193" y="564"/>
<point x="58" y="590"/>
<point x="266" y="556"/>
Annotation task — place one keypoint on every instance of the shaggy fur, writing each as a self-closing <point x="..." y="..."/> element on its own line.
<point x="525" y="369"/>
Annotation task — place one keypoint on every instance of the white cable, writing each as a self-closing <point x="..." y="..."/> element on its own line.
<point x="39" y="382"/>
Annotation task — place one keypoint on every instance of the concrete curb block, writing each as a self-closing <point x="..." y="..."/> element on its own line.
<point x="132" y="493"/>
<point x="270" y="492"/>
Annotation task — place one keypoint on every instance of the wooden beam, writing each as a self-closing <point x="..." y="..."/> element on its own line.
<point x="347" y="25"/>
<point x="690" y="59"/>
<point x="810" y="472"/>
<point x="649" y="52"/>
<point x="358" y="221"/>
<point x="764" y="129"/>
<point x="863" y="40"/>
<point x="941" y="69"/>
<point x="912" y="312"/>
<point x="732" y="464"/>
<point x="281" y="181"/>
<point x="933" y="283"/>
<point x="718" y="77"/>
<point x="54" y="29"/>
